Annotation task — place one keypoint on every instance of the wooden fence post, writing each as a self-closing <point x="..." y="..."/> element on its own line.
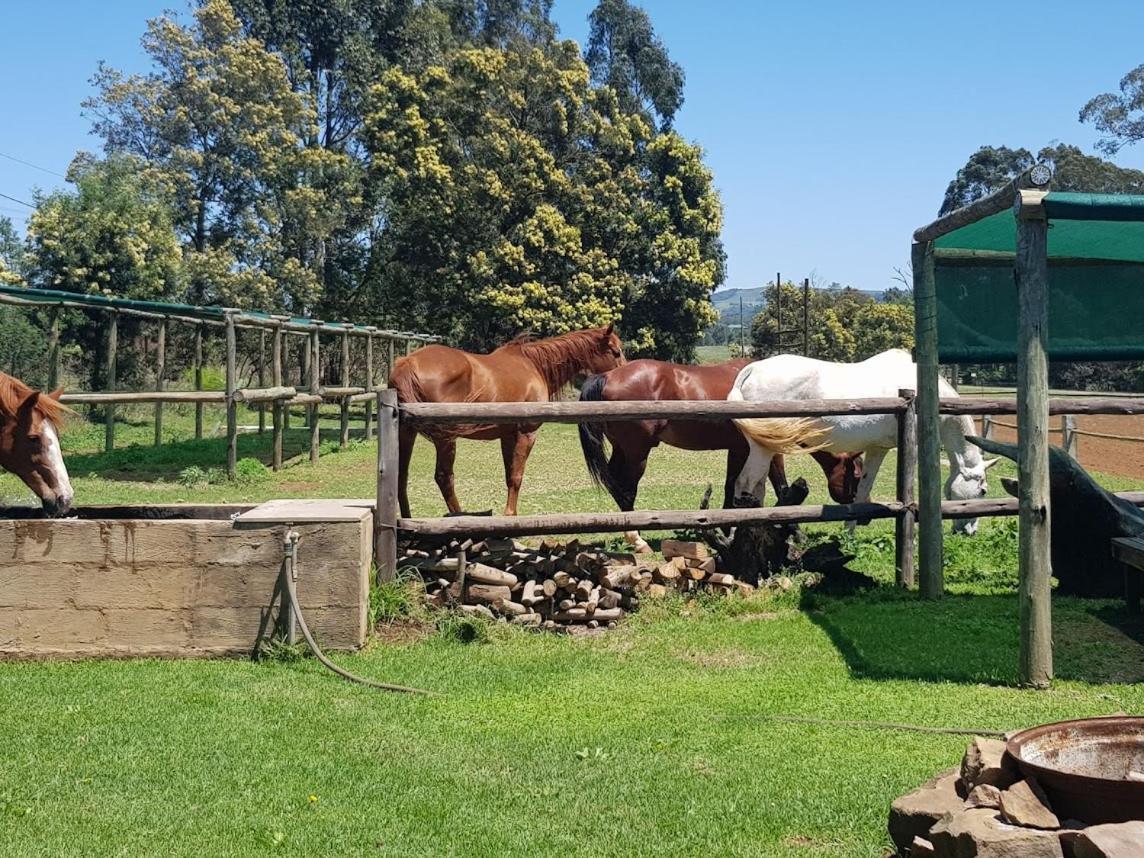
<point x="231" y="402"/>
<point x="198" y="379"/>
<point x="306" y="377"/>
<point x="344" y="411"/>
<point x="385" y="523"/>
<point x="930" y="548"/>
<point x="369" y="387"/>
<point x="315" y="385"/>
<point x="261" y="378"/>
<point x="160" y="377"/>
<point x="280" y="408"/>
<point x="110" y="382"/>
<point x="1035" y="562"/>
<point x="54" y="348"/>
<point x="986" y="427"/>
<point x="1069" y="437"/>
<point x="409" y="346"/>
<point x="389" y="359"/>
<point x="907" y="474"/>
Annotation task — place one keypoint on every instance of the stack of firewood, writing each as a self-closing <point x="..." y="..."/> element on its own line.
<point x="556" y="585"/>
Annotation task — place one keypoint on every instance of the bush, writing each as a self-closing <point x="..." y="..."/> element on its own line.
<point x="398" y="600"/>
<point x="250" y="470"/>
<point x="462" y="628"/>
<point x="192" y="477"/>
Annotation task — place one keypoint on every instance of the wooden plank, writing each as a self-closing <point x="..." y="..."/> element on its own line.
<point x="344" y="415"/>
<point x="1069" y="434"/>
<point x="578" y="412"/>
<point x="257" y="395"/>
<point x="160" y="379"/>
<point x="907" y="475"/>
<point x="1059" y="405"/>
<point x="261" y="378"/>
<point x="110" y="381"/>
<point x="391" y="347"/>
<point x="1129" y="550"/>
<point x="198" y="366"/>
<point x="231" y="403"/>
<point x="315" y="382"/>
<point x="367" y="418"/>
<point x="54" y="360"/>
<point x="145" y="396"/>
<point x="998" y="201"/>
<point x="930" y="546"/>
<point x="277" y="369"/>
<point x="385" y="518"/>
<point x="1034" y="558"/>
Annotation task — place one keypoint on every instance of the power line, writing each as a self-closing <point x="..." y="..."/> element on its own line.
<point x="21" y="202"/>
<point x="30" y="164"/>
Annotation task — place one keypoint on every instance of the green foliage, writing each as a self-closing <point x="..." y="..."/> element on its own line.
<point x="23" y="346"/>
<point x="13" y="255"/>
<point x="624" y="52"/>
<point x="1119" y="116"/>
<point x="192" y="477"/>
<point x="463" y="629"/>
<point x="249" y="470"/>
<point x="522" y="198"/>
<point x="400" y="600"/>
<point x="217" y="476"/>
<point x="844" y="324"/>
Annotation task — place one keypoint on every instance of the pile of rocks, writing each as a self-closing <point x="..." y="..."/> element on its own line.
<point x="570" y="584"/>
<point x="988" y="809"/>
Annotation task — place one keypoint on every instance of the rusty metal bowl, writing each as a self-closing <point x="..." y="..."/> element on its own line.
<point x="1084" y="766"/>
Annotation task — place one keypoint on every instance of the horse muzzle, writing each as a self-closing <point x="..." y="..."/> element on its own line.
<point x="56" y="507"/>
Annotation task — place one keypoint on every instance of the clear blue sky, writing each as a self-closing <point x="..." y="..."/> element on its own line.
<point x="832" y="128"/>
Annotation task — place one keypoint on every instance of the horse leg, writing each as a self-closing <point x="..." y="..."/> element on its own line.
<point x="752" y="477"/>
<point x="627" y="469"/>
<point x="407" y="437"/>
<point x="777" y="474"/>
<point x="515" y="447"/>
<point x="443" y="474"/>
<point x="872" y="462"/>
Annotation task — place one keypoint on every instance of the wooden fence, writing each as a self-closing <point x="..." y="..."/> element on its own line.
<point x="272" y="390"/>
<point x="903" y="509"/>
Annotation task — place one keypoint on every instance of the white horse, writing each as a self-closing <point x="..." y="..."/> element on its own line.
<point x="796" y="377"/>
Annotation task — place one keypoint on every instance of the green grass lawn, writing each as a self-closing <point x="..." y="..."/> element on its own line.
<point x="658" y="736"/>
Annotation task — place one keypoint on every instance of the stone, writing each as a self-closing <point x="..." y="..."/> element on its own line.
<point x="981" y="833"/>
<point x="984" y="795"/>
<point x="985" y="763"/>
<point x="1112" y="840"/>
<point x="920" y="848"/>
<point x="915" y="813"/>
<point x="1025" y="803"/>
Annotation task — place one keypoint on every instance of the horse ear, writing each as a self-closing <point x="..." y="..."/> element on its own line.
<point x="24" y="409"/>
<point x="989" y="463"/>
<point x="56" y="394"/>
<point x="608" y="330"/>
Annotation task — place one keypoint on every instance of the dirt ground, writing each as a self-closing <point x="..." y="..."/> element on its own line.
<point x="1122" y="458"/>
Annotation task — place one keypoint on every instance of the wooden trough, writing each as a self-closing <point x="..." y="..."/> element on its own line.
<point x="179" y="581"/>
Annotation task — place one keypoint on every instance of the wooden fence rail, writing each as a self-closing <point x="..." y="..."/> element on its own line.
<point x="903" y="510"/>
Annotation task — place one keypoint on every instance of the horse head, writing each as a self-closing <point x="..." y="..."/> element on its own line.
<point x="30" y="449"/>
<point x="968" y="482"/>
<point x="609" y="351"/>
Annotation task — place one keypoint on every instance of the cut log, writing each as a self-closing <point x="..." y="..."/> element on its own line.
<point x="549" y="588"/>
<point x="530" y="595"/>
<point x="487" y="594"/>
<point x="563" y="580"/>
<point x="707" y="565"/>
<point x="656" y="591"/>
<point x="721" y="579"/>
<point x="666" y="574"/>
<point x="478" y="611"/>
<point x="615" y="576"/>
<point x="678" y="548"/>
<point x="509" y="609"/>
<point x="583" y="590"/>
<point x="609" y="598"/>
<point x="580" y="615"/>
<point x="527" y="620"/>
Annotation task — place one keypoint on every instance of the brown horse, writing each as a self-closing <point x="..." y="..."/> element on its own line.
<point x="30" y="444"/>
<point x="524" y="370"/>
<point x="633" y="440"/>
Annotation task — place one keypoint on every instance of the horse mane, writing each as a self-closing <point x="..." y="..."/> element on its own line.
<point x="13" y="392"/>
<point x="558" y="359"/>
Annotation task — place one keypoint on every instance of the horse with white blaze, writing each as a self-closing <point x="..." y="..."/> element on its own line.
<point x="794" y="377"/>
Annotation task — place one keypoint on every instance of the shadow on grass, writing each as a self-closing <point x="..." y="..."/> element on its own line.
<point x="886" y="634"/>
<point x="138" y="462"/>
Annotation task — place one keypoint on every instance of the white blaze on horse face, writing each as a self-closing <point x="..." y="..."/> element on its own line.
<point x="54" y="462"/>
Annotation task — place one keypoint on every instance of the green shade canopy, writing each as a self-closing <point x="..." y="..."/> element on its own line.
<point x="1096" y="282"/>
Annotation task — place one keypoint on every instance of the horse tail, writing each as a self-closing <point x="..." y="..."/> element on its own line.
<point x="782" y="434"/>
<point x="593" y="442"/>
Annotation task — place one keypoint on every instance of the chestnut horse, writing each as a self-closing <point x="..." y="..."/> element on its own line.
<point x="30" y="444"/>
<point x="633" y="440"/>
<point x="523" y="370"/>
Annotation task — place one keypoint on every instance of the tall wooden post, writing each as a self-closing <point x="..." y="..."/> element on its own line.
<point x="198" y="379"/>
<point x="1035" y="565"/>
<point x="368" y="404"/>
<point x="930" y="548"/>
<point x="315" y="387"/>
<point x="385" y="522"/>
<point x="160" y="377"/>
<point x="805" y="317"/>
<point x="907" y="474"/>
<point x="110" y="382"/>
<point x="285" y="375"/>
<point x="390" y="357"/>
<point x="54" y="361"/>
<point x="986" y="427"/>
<point x="280" y="409"/>
<point x="261" y="378"/>
<point x="409" y="346"/>
<point x="231" y="403"/>
<point x="344" y="434"/>
<point x="1069" y="434"/>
